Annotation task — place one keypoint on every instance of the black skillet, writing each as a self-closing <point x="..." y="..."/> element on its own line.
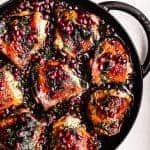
<point x="141" y="71"/>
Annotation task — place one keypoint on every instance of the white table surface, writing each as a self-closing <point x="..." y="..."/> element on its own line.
<point x="139" y="136"/>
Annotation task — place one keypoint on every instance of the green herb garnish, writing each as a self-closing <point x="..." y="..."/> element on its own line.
<point x="104" y="78"/>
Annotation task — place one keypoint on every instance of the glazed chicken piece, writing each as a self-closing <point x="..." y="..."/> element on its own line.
<point x="31" y="28"/>
<point x="10" y="93"/>
<point x="21" y="131"/>
<point x="76" y="32"/>
<point x="107" y="109"/>
<point x="112" y="64"/>
<point x="56" y="83"/>
<point x="70" y="134"/>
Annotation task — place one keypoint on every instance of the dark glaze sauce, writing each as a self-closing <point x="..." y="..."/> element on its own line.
<point x="79" y="58"/>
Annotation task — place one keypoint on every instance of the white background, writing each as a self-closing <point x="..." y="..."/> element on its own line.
<point x="139" y="136"/>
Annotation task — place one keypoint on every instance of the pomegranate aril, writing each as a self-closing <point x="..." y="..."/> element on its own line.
<point x="121" y="59"/>
<point x="27" y="4"/>
<point x="65" y="26"/>
<point x="20" y="133"/>
<point x="18" y="145"/>
<point x="41" y="8"/>
<point x="2" y="113"/>
<point x="69" y="29"/>
<point x="36" y="3"/>
<point x="17" y="33"/>
<point x="5" y="37"/>
<point x="22" y="6"/>
<point x="68" y="145"/>
<point x="85" y="21"/>
<point x="101" y="67"/>
<point x="18" y="37"/>
<point x="89" y="22"/>
<point x="2" y="88"/>
<point x="46" y="6"/>
<point x="46" y="17"/>
<point x="124" y="61"/>
<point x="64" y="140"/>
<point x="37" y="8"/>
<point x="102" y="60"/>
<point x="60" y="135"/>
<point x="22" y="32"/>
<point x="47" y="1"/>
<point x="15" y="27"/>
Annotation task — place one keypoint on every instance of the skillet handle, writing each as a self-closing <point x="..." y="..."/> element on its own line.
<point x="144" y="21"/>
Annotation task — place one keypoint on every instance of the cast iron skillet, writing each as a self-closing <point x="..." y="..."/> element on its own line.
<point x="141" y="71"/>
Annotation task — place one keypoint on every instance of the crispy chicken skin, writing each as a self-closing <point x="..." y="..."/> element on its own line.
<point x="75" y="27"/>
<point x="10" y="94"/>
<point x="70" y="134"/>
<point x="15" y="50"/>
<point x="106" y="110"/>
<point x="21" y="131"/>
<point x="112" y="64"/>
<point x="56" y="83"/>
